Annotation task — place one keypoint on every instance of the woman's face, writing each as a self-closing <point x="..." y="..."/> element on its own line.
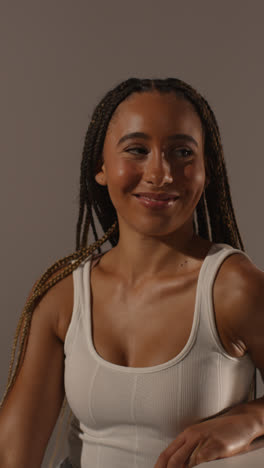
<point x="169" y="157"/>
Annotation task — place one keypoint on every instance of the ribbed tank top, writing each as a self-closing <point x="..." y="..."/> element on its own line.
<point x="126" y="416"/>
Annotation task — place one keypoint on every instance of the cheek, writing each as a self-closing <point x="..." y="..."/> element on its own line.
<point x="123" y="175"/>
<point x="195" y="174"/>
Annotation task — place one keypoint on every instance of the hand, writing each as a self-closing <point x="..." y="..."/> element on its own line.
<point x="219" y="437"/>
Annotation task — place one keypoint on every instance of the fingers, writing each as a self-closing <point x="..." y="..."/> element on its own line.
<point x="194" y="457"/>
<point x="163" y="459"/>
<point x="177" y="453"/>
<point x="181" y="458"/>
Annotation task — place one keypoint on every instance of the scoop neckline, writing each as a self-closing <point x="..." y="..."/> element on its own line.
<point x="158" y="367"/>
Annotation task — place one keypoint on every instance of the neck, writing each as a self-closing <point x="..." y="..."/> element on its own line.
<point x="146" y="257"/>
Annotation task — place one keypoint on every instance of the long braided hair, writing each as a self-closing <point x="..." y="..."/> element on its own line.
<point x="214" y="213"/>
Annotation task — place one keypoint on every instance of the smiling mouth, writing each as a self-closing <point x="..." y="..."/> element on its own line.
<point x="154" y="203"/>
<point x="156" y="199"/>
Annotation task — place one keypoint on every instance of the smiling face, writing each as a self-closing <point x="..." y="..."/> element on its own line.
<point x="165" y="155"/>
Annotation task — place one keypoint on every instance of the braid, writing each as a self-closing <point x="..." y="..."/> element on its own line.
<point x="215" y="218"/>
<point x="40" y="289"/>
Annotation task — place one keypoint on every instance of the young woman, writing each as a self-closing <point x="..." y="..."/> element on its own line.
<point x="155" y="342"/>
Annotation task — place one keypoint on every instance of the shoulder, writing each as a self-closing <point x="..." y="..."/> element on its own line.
<point x="241" y="292"/>
<point x="62" y="296"/>
<point x="57" y="302"/>
<point x="241" y="279"/>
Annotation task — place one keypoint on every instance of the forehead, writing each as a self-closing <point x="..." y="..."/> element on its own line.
<point x="155" y="113"/>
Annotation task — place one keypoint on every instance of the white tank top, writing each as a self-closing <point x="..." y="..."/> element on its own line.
<point x="126" y="416"/>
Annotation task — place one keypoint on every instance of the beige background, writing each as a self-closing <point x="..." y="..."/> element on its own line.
<point x="58" y="59"/>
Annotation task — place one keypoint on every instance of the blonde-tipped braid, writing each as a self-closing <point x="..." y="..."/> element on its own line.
<point x="40" y="289"/>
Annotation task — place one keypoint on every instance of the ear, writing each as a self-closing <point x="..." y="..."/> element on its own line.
<point x="100" y="177"/>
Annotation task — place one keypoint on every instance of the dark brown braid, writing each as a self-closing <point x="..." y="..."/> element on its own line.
<point x="215" y="214"/>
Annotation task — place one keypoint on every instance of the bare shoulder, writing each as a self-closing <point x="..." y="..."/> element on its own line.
<point x="240" y="281"/>
<point x="240" y="290"/>
<point x="62" y="295"/>
<point x="59" y="301"/>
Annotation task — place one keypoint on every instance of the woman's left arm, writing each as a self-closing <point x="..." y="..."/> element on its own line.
<point x="241" y="428"/>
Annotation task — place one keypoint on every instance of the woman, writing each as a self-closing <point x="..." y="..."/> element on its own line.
<point x="163" y="332"/>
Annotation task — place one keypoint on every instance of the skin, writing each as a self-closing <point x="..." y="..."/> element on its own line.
<point x="157" y="240"/>
<point x="152" y="243"/>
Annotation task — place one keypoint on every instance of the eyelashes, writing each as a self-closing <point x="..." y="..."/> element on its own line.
<point x="183" y="152"/>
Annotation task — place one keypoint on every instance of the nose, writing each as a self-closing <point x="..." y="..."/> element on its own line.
<point x="157" y="170"/>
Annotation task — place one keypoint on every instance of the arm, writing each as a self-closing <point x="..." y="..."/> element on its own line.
<point x="247" y="325"/>
<point x="241" y="428"/>
<point x="32" y="406"/>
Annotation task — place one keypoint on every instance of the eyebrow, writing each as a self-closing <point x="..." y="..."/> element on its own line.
<point x="176" y="136"/>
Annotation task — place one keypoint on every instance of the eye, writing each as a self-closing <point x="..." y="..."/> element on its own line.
<point x="135" y="149"/>
<point x="183" y="152"/>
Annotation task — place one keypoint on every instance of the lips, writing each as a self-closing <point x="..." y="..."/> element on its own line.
<point x="154" y="204"/>
<point x="157" y="196"/>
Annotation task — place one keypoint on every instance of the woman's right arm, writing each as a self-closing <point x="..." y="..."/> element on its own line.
<point x="30" y="411"/>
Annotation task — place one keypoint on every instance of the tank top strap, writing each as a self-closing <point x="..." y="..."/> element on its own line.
<point x="77" y="276"/>
<point x="81" y="295"/>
